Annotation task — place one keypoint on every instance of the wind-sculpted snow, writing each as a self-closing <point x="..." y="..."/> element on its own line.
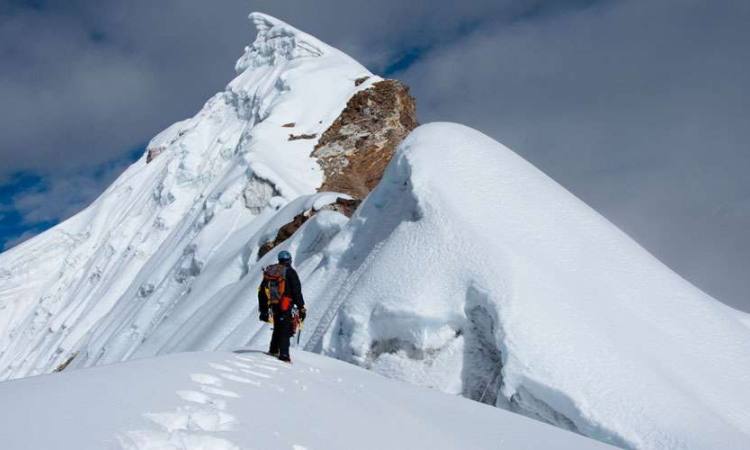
<point x="466" y="270"/>
<point x="101" y="283"/>
<point x="470" y="271"/>
<point x="247" y="400"/>
<point x="278" y="41"/>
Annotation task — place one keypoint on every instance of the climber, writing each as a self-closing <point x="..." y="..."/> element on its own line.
<point x="280" y="294"/>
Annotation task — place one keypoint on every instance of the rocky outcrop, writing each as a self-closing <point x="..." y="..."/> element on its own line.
<point x="345" y="206"/>
<point x="167" y="138"/>
<point x="152" y="153"/>
<point x="285" y="232"/>
<point x="357" y="147"/>
<point x="64" y="365"/>
<point x="296" y="137"/>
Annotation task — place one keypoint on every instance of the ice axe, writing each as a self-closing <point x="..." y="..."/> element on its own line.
<point x="299" y="331"/>
<point x="297" y="325"/>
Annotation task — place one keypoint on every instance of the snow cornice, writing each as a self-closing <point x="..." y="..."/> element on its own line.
<point x="277" y="41"/>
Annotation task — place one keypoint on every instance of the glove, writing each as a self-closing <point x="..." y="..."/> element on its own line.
<point x="302" y="314"/>
<point x="264" y="316"/>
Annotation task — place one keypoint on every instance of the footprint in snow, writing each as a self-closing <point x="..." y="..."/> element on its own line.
<point x="241" y="365"/>
<point x="221" y="367"/>
<point x="265" y="359"/>
<point x="218" y="391"/>
<point x="206" y="379"/>
<point x="245" y="358"/>
<point x="184" y="429"/>
<point x="158" y="440"/>
<point x="190" y="418"/>
<point x="255" y="374"/>
<point x="262" y="366"/>
<point x="247" y="368"/>
<point x="202" y="398"/>
<point x="240" y="379"/>
<point x="190" y="426"/>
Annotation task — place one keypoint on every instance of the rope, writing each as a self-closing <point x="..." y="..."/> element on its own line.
<point x="491" y="380"/>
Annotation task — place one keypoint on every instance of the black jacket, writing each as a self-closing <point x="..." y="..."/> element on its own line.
<point x="293" y="290"/>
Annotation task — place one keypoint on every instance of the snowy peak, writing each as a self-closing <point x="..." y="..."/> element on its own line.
<point x="566" y="319"/>
<point x="182" y="220"/>
<point x="277" y="40"/>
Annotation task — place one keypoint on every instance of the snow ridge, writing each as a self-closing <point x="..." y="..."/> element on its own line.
<point x="277" y="41"/>
<point x="563" y="317"/>
<point x="230" y="401"/>
<point x="484" y="265"/>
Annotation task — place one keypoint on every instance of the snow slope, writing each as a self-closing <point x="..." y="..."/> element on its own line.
<point x="140" y="246"/>
<point x="226" y="401"/>
<point x="466" y="270"/>
<point x="476" y="274"/>
<point x="473" y="271"/>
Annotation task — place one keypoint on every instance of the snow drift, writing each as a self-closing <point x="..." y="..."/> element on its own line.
<point x="466" y="269"/>
<point x="225" y="401"/>
<point x="469" y="270"/>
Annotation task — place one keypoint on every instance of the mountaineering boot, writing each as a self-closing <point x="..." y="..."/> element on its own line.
<point x="286" y="359"/>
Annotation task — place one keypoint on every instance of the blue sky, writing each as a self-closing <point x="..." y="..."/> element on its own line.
<point x="13" y="226"/>
<point x="640" y="108"/>
<point x="26" y="197"/>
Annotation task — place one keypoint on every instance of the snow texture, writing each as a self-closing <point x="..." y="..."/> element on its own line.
<point x="249" y="400"/>
<point x="473" y="271"/>
<point x="466" y="270"/>
<point x="169" y="235"/>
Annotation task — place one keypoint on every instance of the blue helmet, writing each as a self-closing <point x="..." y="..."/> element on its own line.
<point x="285" y="256"/>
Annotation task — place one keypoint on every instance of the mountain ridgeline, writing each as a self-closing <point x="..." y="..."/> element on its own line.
<point x="430" y="254"/>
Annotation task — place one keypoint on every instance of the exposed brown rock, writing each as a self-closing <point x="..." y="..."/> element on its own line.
<point x="343" y="205"/>
<point x="153" y="153"/>
<point x="289" y="125"/>
<point x="357" y="147"/>
<point x="294" y="137"/>
<point x="361" y="80"/>
<point x="267" y="247"/>
<point x="284" y="233"/>
<point x="66" y="363"/>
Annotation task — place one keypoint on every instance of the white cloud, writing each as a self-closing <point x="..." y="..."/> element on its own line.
<point x="640" y="108"/>
<point x="18" y="239"/>
<point x="58" y="198"/>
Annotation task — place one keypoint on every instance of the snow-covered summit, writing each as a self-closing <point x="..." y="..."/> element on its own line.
<point x="276" y="41"/>
<point x="201" y="190"/>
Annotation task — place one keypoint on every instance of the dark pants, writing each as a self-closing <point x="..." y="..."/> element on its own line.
<point x="282" y="332"/>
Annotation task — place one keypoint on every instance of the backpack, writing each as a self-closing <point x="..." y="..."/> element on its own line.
<point x="275" y="278"/>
